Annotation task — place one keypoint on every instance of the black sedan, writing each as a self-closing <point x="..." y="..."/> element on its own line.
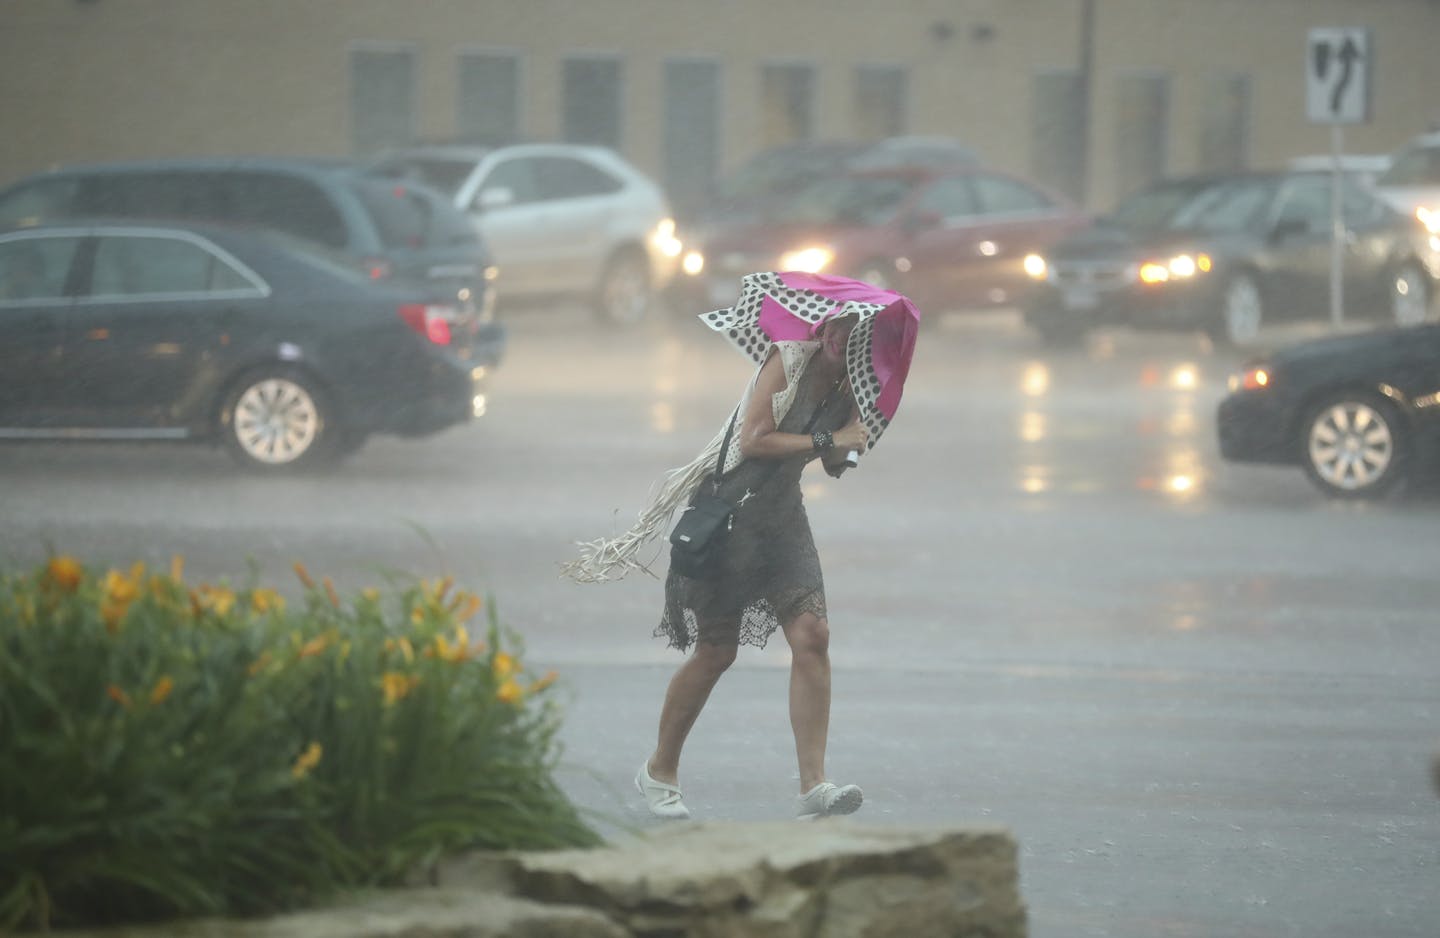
<point x="282" y="352"/>
<point x="1229" y="254"/>
<point x="1359" y="413"/>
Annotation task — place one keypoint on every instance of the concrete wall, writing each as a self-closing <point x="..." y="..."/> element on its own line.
<point x="103" y="79"/>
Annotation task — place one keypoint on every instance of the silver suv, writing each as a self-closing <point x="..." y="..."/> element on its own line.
<point x="562" y="220"/>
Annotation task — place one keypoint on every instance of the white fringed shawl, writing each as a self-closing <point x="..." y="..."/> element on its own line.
<point x="612" y="558"/>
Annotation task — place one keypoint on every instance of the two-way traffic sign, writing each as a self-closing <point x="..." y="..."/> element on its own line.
<point x="1337" y="76"/>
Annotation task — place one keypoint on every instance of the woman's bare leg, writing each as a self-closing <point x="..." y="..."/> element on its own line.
<point x="684" y="699"/>
<point x="809" y="638"/>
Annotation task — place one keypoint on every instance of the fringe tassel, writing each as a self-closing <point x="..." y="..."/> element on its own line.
<point x="612" y="558"/>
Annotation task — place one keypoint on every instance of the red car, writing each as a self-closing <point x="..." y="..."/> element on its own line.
<point x="953" y="238"/>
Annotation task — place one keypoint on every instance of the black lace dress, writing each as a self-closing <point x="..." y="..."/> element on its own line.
<point x="770" y="572"/>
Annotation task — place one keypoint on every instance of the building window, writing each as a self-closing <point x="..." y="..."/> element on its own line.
<point x="787" y="104"/>
<point x="1225" y="122"/>
<point x="692" y="132"/>
<point x="591" y="103"/>
<point x="1141" y="128"/>
<point x="382" y="97"/>
<point x="488" y="99"/>
<point x="1057" y="132"/>
<point x="880" y="101"/>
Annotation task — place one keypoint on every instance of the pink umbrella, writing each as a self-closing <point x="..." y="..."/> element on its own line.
<point x="789" y="307"/>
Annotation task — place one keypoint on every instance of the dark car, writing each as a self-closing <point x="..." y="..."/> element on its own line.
<point x="947" y="238"/>
<point x="400" y="231"/>
<point x="263" y="342"/>
<point x="1359" y="413"/>
<point x="1227" y="255"/>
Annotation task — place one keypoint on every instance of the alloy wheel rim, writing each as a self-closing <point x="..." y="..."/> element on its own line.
<point x="1351" y="446"/>
<point x="1242" y="311"/>
<point x="276" y="421"/>
<point x="1408" y="300"/>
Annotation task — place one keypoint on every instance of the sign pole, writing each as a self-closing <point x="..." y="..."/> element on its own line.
<point x="1337" y="228"/>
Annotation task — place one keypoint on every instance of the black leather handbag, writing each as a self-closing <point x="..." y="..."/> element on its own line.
<point x="699" y="536"/>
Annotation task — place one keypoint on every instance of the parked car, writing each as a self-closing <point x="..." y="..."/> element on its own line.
<point x="1412" y="183"/>
<point x="564" y="220"/>
<point x="1228" y="254"/>
<point x="1360" y="414"/>
<point x="947" y="238"/>
<point x="396" y="232"/>
<point x="284" y="353"/>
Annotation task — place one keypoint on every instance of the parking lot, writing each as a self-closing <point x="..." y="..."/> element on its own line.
<point x="1202" y="696"/>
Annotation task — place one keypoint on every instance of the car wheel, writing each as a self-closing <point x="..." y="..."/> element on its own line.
<point x="1353" y="445"/>
<point x="277" y="419"/>
<point x="623" y="297"/>
<point x="1241" y="312"/>
<point x="1409" y="292"/>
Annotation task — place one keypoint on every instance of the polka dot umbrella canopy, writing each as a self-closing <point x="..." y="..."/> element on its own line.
<point x="790" y="306"/>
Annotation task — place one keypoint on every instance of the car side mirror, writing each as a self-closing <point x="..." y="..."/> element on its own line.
<point x="498" y="197"/>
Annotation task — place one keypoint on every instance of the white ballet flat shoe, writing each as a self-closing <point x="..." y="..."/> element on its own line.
<point x="662" y="798"/>
<point x="827" y="800"/>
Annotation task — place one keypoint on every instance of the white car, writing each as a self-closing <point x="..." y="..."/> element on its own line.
<point x="562" y="220"/>
<point x="1412" y="183"/>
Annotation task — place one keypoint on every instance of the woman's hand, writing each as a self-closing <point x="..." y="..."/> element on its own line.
<point x="851" y="436"/>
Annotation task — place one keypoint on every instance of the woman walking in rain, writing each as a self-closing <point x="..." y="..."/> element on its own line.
<point x="833" y="355"/>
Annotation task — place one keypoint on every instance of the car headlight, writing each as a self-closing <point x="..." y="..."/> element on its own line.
<point x="1035" y="266"/>
<point x="1253" y="378"/>
<point x="1430" y="218"/>
<point x="693" y="263"/>
<point x="810" y="260"/>
<point x="1179" y="267"/>
<point x="663" y="237"/>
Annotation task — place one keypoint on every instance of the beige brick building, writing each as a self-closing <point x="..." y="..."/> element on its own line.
<point x="688" y="88"/>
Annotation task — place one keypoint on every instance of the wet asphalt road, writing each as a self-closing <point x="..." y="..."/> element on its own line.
<point x="1201" y="696"/>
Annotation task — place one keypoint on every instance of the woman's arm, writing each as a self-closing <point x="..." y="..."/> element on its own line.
<point x="760" y="440"/>
<point x="758" y="437"/>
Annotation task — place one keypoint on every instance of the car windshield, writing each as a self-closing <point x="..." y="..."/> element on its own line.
<point x="409" y="218"/>
<point x="1153" y="208"/>
<point x="1419" y="166"/>
<point x="1229" y="207"/>
<point x="439" y="173"/>
<point x="849" y="200"/>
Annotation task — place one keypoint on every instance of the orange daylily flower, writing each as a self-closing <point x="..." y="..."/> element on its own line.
<point x="504" y="665"/>
<point x="330" y="591"/>
<point x="65" y="572"/>
<point x="395" y="685"/>
<point x="304" y="576"/>
<point x="544" y="682"/>
<point x="315" y="646"/>
<point x="307" y="760"/>
<point x="118" y="695"/>
<point x="510" y="692"/>
<point x="162" y="689"/>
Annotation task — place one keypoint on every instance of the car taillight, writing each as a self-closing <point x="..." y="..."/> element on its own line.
<point x="377" y="267"/>
<point x="431" y="321"/>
